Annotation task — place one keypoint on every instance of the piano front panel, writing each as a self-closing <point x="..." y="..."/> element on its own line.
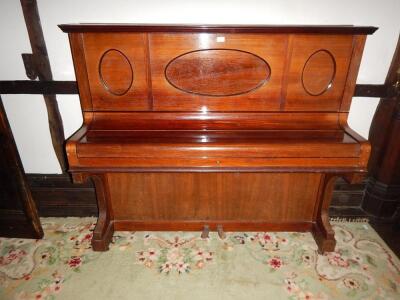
<point x="217" y="72"/>
<point x="317" y="74"/>
<point x="117" y="71"/>
<point x="208" y="72"/>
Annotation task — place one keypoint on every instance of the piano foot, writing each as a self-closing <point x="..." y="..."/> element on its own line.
<point x="205" y="232"/>
<point x="221" y="232"/>
<point x="104" y="230"/>
<point x="321" y="230"/>
<point x="101" y="242"/>
<point x="324" y="237"/>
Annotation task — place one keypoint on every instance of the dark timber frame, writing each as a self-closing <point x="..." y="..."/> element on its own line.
<point x="18" y="213"/>
<point x="382" y="195"/>
<point x="37" y="64"/>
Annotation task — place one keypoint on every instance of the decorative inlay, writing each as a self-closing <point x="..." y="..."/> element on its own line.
<point x="318" y="72"/>
<point x="115" y="72"/>
<point x="217" y="72"/>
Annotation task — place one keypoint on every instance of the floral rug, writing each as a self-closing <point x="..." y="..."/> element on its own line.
<point x="182" y="265"/>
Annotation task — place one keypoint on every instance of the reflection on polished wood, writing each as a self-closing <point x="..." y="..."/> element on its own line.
<point x="217" y="72"/>
<point x="215" y="127"/>
<point x="115" y="61"/>
<point x="319" y="73"/>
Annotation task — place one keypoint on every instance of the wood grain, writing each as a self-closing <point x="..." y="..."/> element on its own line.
<point x="132" y="67"/>
<point x="164" y="48"/>
<point x="213" y="196"/>
<point x="304" y="47"/>
<point x="217" y="72"/>
<point x="318" y="72"/>
<point x="214" y="121"/>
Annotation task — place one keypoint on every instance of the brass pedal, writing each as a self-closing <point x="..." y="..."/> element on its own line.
<point x="205" y="232"/>
<point x="221" y="232"/>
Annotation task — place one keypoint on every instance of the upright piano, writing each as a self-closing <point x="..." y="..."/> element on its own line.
<point x="214" y="127"/>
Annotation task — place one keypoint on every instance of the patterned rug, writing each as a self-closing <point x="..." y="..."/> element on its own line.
<point x="176" y="265"/>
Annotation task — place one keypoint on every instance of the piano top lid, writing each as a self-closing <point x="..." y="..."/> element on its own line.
<point x="301" y="29"/>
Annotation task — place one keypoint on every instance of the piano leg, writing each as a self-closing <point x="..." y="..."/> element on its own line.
<point x="104" y="230"/>
<point x="322" y="231"/>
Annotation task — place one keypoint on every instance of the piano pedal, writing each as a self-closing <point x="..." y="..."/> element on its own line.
<point x="205" y="232"/>
<point x="221" y="232"/>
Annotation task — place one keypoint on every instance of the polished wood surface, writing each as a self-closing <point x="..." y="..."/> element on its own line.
<point x="116" y="71"/>
<point x="215" y="144"/>
<point x="223" y="67"/>
<point x="213" y="121"/>
<point x="217" y="72"/>
<point x="282" y="197"/>
<point x="319" y="29"/>
<point x="317" y="72"/>
<point x="225" y="128"/>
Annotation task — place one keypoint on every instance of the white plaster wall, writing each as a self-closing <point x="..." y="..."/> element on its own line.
<point x="27" y="113"/>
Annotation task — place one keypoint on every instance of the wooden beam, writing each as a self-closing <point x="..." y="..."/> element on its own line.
<point x="43" y="70"/>
<point x="18" y="213"/>
<point x="38" y="87"/>
<point x="71" y="88"/>
<point x="373" y="90"/>
<point x="382" y="196"/>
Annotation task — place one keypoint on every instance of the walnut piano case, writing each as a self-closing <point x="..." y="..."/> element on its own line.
<point x="220" y="127"/>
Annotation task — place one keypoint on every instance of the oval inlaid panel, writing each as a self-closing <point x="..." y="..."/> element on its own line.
<point x="217" y="72"/>
<point x="115" y="72"/>
<point x="319" y="72"/>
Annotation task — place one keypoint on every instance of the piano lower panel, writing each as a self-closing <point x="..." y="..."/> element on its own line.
<point x="214" y="197"/>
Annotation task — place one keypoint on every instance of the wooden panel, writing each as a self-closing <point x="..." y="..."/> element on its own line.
<point x="78" y="55"/>
<point x="214" y="121"/>
<point x="117" y="70"/>
<point x="217" y="72"/>
<point x="294" y="164"/>
<point x="212" y="136"/>
<point x="232" y="72"/>
<point x="224" y="145"/>
<point x="213" y="196"/>
<point x="318" y="71"/>
<point x="56" y="196"/>
<point x="245" y="28"/>
<point x="349" y="91"/>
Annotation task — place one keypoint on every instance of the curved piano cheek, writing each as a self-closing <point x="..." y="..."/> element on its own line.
<point x="222" y="128"/>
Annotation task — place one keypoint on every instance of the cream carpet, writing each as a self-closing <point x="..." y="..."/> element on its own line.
<point x="179" y="265"/>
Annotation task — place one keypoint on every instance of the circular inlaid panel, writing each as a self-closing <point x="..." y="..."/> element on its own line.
<point x="115" y="72"/>
<point x="318" y="73"/>
<point x="217" y="72"/>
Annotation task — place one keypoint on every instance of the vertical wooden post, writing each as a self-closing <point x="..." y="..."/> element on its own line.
<point x="40" y="61"/>
<point x="18" y="213"/>
<point x="382" y="195"/>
